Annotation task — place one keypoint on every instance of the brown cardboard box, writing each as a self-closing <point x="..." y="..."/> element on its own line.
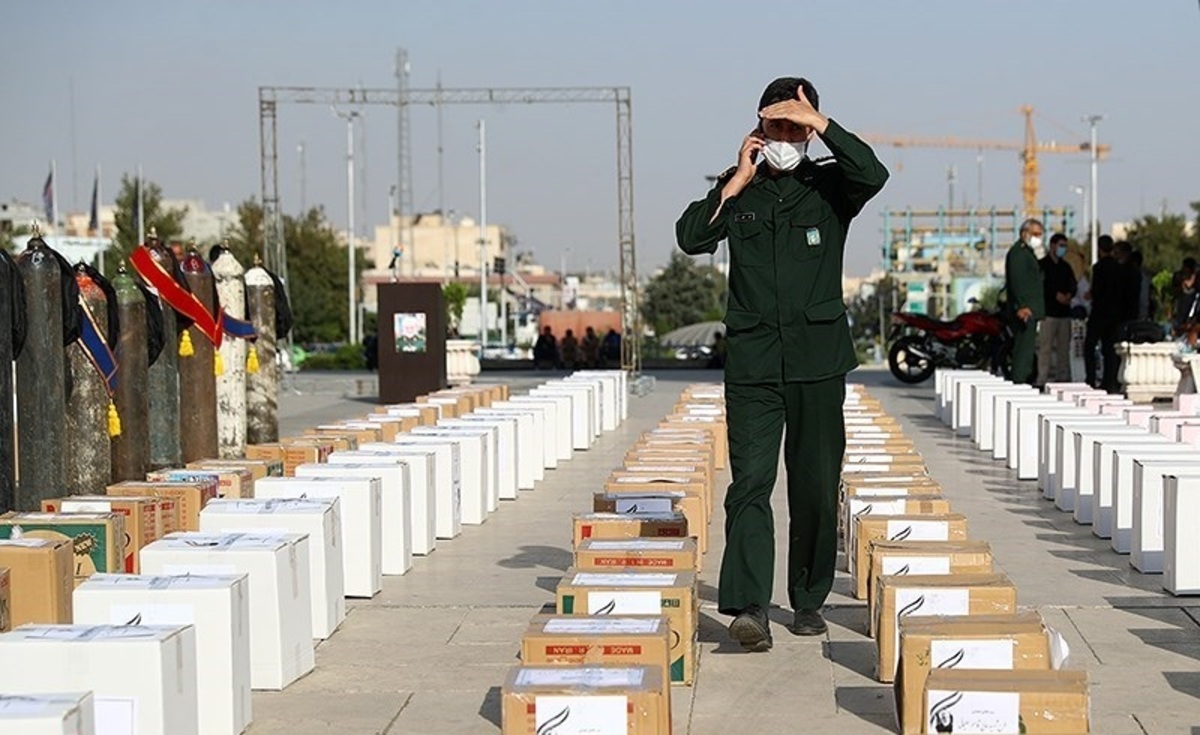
<point x="1001" y="642"/>
<point x="97" y="539"/>
<point x="535" y="698"/>
<point x="389" y="426"/>
<point x="714" y="426"/>
<point x="142" y="524"/>
<point x="398" y="421"/>
<point x="259" y="468"/>
<point x="876" y="464"/>
<point x="660" y="456"/>
<point x="926" y="524"/>
<point x="1046" y="702"/>
<point x="41" y="580"/>
<point x="864" y="506"/>
<point x="296" y="453"/>
<point x="693" y="483"/>
<point x="947" y="594"/>
<point x="449" y="406"/>
<point x="232" y="482"/>
<point x="639" y="553"/>
<point x="189" y="497"/>
<point x="672" y="594"/>
<point x="362" y="434"/>
<point x="272" y="451"/>
<point x="169" y="517"/>
<point x="923" y="557"/>
<point x="338" y="442"/>
<point x="580" y="640"/>
<point x="894" y="485"/>
<point x="659" y="501"/>
<point x="428" y="414"/>
<point x="629" y="525"/>
<point x="5" y="596"/>
<point x="697" y="464"/>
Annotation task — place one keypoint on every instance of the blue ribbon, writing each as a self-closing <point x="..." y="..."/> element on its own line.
<point x="238" y="328"/>
<point x="97" y="350"/>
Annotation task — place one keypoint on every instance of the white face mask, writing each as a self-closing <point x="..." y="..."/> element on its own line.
<point x="783" y="156"/>
<point x="1035" y="242"/>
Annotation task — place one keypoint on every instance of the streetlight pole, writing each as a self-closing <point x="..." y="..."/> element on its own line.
<point x="483" y="300"/>
<point x="303" y="179"/>
<point x="392" y="233"/>
<point x="350" y="117"/>
<point x="1082" y="191"/>
<point x="1094" y="224"/>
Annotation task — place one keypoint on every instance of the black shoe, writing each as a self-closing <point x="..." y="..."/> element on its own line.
<point x="752" y="629"/>
<point x="809" y="622"/>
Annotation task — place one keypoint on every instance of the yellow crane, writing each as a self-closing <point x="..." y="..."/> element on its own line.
<point x="1028" y="150"/>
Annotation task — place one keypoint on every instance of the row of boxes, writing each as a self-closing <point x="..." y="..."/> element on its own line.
<point x="949" y="636"/>
<point x="244" y="563"/>
<point x="1128" y="471"/>
<point x="626" y="618"/>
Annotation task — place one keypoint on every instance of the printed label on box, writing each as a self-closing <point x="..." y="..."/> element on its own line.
<point x="586" y="676"/>
<point x="624" y="603"/>
<point x="86" y="506"/>
<point x="652" y="478"/>
<point x="918" y="531"/>
<point x="927" y="601"/>
<point x="564" y="715"/>
<point x="594" y="579"/>
<point x="636" y="544"/>
<point x="972" y="654"/>
<point x="152" y="614"/>
<point x="644" y="505"/>
<point x="580" y="626"/>
<point x="971" y="713"/>
<point x="17" y="705"/>
<point x="861" y="507"/>
<point x="887" y="492"/>
<point x="896" y="564"/>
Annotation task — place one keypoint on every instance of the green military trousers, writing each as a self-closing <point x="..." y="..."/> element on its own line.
<point x="1023" y="351"/>
<point x="814" y="443"/>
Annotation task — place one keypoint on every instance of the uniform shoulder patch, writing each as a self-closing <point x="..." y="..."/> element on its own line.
<point x="824" y="161"/>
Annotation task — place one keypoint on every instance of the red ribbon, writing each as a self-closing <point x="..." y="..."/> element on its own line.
<point x="176" y="296"/>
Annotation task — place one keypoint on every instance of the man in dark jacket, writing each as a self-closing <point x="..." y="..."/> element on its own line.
<point x="1107" y="298"/>
<point x="1023" y="281"/>
<point x="1054" y="333"/>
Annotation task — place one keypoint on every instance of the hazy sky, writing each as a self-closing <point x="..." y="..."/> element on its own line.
<point x="173" y="85"/>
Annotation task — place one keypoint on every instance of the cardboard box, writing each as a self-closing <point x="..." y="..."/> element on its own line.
<point x="1034" y="702"/>
<point x="679" y="555"/>
<point x="5" y="602"/>
<point x="907" y="527"/>
<point x="218" y="606"/>
<point x="923" y="557"/>
<point x="421" y="466"/>
<point x="395" y="504"/>
<point x="670" y="457"/>
<point x="40" y="579"/>
<point x="339" y="442"/>
<point x="318" y="518"/>
<point x="300" y="452"/>
<point x="361" y="432"/>
<point x="629" y="525"/>
<point x="190" y="497"/>
<point x="695" y="482"/>
<point x="644" y="465"/>
<point x="272" y="451"/>
<point x="48" y="714"/>
<point x="448" y="475"/>
<point x="259" y="468"/>
<point x="670" y="594"/>
<point x="950" y="594"/>
<point x="144" y="676"/>
<point x="661" y="501"/>
<point x="993" y="642"/>
<point x="232" y="482"/>
<point x="281" y="646"/>
<point x="713" y="424"/>
<point x="97" y="539"/>
<point x="603" y="640"/>
<point x="890" y="487"/>
<point x="600" y="699"/>
<point x="142" y="524"/>
<point x="875" y="506"/>
<point x="361" y="533"/>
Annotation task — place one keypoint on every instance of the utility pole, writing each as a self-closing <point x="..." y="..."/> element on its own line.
<point x="404" y="154"/>
<point x="483" y="300"/>
<point x="392" y="234"/>
<point x="441" y="177"/>
<point x="303" y="179"/>
<point x="349" y="117"/>
<point x="1094" y="224"/>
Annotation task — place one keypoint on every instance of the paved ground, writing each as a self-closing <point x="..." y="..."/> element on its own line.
<point x="429" y="654"/>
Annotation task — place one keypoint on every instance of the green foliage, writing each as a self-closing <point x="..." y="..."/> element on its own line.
<point x="167" y="223"/>
<point x="456" y="300"/>
<point x="14" y="241"/>
<point x="684" y="293"/>
<point x="347" y="357"/>
<point x="1163" y="287"/>
<point x="1163" y="240"/>
<point x="246" y="240"/>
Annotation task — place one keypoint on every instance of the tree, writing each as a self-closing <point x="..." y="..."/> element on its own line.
<point x="167" y="223"/>
<point x="456" y="300"/>
<point x="247" y="240"/>
<point x="1163" y="241"/>
<point x="684" y="293"/>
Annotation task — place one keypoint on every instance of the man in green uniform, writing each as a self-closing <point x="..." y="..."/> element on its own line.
<point x="789" y="347"/>
<point x="1023" y="282"/>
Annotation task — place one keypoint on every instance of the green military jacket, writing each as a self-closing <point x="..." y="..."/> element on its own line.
<point x="786" y="320"/>
<point x="1023" y="280"/>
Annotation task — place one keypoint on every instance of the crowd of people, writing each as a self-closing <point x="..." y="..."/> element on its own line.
<point x="570" y="353"/>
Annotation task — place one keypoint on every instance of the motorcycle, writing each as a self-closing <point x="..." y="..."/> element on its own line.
<point x="920" y="344"/>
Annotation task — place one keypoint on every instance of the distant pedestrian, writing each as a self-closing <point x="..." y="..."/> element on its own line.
<point x="545" y="350"/>
<point x="610" y="348"/>
<point x="569" y="350"/>
<point x="1023" y="282"/>
<point x="1054" y="332"/>
<point x="1105" y="318"/>
<point x="591" y="348"/>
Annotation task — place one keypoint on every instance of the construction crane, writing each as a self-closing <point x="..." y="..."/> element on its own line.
<point x="1028" y="150"/>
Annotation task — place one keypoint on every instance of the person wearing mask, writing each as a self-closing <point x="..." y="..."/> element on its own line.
<point x="1023" y="282"/>
<point x="1105" y="318"/>
<point x="1054" y="332"/>
<point x="788" y="347"/>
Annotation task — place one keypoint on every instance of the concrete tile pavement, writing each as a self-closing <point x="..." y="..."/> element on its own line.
<point x="429" y="654"/>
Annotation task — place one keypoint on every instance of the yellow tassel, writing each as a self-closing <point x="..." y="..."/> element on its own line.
<point x="218" y="364"/>
<point x="252" y="360"/>
<point x="114" y="420"/>
<point x="185" y="345"/>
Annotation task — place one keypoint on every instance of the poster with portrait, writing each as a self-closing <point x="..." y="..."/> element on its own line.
<point x="410" y="332"/>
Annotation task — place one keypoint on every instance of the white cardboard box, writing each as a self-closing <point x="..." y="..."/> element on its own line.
<point x="547" y="409"/>
<point x="1068" y="442"/>
<point x="396" y="505"/>
<point x="422" y="489"/>
<point x="595" y="394"/>
<point x="529" y="443"/>
<point x="1057" y="464"/>
<point x="1022" y="432"/>
<point x="964" y="403"/>
<point x="217" y="606"/>
<point x="508" y="450"/>
<point x="1123" y="484"/>
<point x="564" y="420"/>
<point x="360" y="501"/>
<point x="1086" y="467"/>
<point x="1046" y="449"/>
<point x="491" y="453"/>
<point x="610" y="385"/>
<point x="1146" y="543"/>
<point x="142" y="677"/>
<point x="1105" y="464"/>
<point x="1000" y="419"/>
<point x="47" y="714"/>
<point x="320" y="519"/>
<point x="1181" y="543"/>
<point x="579" y="407"/>
<point x="281" y="645"/>
<point x="429" y="486"/>
<point x="448" y="475"/>
<point x="983" y="404"/>
<point x="472" y="463"/>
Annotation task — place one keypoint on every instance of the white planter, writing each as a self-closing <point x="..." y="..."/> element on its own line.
<point x="1148" y="371"/>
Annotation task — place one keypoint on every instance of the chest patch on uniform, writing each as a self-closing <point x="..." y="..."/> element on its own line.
<point x="813" y="236"/>
<point x="743" y="217"/>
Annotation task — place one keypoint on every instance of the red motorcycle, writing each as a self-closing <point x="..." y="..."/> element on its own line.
<point x="920" y="344"/>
